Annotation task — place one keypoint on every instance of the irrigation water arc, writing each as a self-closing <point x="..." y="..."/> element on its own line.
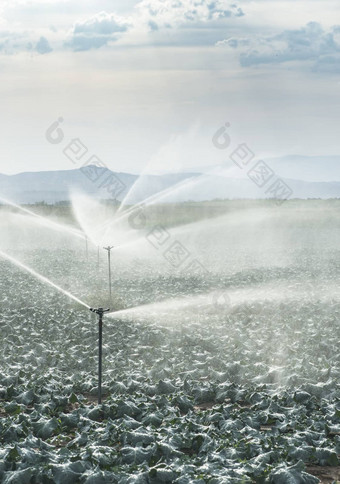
<point x="99" y="311"/>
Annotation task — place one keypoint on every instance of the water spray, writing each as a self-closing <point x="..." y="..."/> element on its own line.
<point x="108" y="248"/>
<point x="40" y="277"/>
<point x="100" y="312"/>
<point x="44" y="220"/>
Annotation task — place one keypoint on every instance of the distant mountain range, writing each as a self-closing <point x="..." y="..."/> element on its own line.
<point x="308" y="168"/>
<point x="56" y="186"/>
<point x="297" y="167"/>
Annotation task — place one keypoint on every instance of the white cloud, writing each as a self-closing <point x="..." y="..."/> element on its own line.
<point x="328" y="63"/>
<point x="97" y="31"/>
<point x="156" y="21"/>
<point x="174" y="13"/>
<point x="43" y="47"/>
<point x="181" y="22"/>
<point x="151" y="22"/>
<point x="234" y="42"/>
<point x="12" y="43"/>
<point x="310" y="43"/>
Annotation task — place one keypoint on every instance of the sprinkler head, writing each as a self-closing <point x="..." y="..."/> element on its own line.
<point x="99" y="311"/>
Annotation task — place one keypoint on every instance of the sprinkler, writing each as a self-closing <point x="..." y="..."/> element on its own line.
<point x="100" y="312"/>
<point x="108" y="248"/>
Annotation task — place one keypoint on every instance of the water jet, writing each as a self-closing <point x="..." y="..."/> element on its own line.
<point x="44" y="220"/>
<point x="40" y="277"/>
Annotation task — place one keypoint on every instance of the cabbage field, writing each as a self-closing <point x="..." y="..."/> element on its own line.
<point x="230" y="374"/>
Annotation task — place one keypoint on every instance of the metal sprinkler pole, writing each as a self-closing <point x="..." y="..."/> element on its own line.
<point x="87" y="247"/>
<point x="108" y="248"/>
<point x="100" y="312"/>
<point x="98" y="257"/>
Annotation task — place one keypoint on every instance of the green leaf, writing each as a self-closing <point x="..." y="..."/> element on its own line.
<point x="73" y="398"/>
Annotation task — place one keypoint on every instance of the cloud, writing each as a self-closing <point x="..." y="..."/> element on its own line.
<point x="234" y="42"/>
<point x="328" y="63"/>
<point x="12" y="43"/>
<point x="309" y="43"/>
<point x="153" y="25"/>
<point x="182" y="22"/>
<point x="97" y="31"/>
<point x="173" y="13"/>
<point x="43" y="47"/>
<point x="155" y="22"/>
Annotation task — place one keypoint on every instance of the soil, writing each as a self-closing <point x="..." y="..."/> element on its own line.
<point x="327" y="475"/>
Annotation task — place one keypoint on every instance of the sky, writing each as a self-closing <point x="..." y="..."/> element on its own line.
<point x="145" y="85"/>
